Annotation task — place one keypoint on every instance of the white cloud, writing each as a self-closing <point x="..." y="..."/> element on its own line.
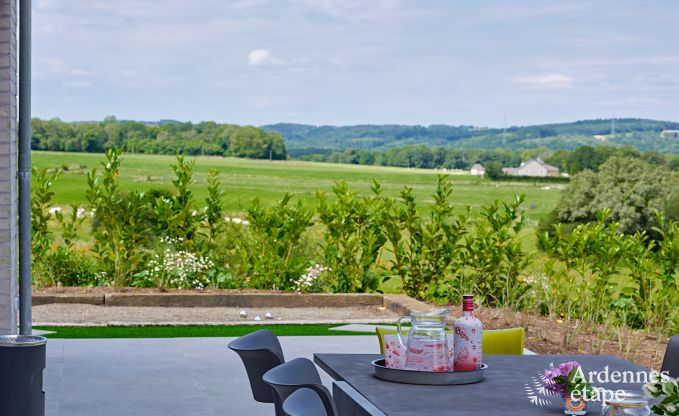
<point x="259" y="56"/>
<point x="550" y="80"/>
<point x="263" y="57"/>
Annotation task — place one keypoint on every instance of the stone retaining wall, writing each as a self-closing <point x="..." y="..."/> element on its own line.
<point x="400" y="304"/>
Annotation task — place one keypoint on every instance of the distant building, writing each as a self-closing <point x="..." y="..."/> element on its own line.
<point x="670" y="133"/>
<point x="534" y="167"/>
<point x="477" y="169"/>
<point x="600" y="137"/>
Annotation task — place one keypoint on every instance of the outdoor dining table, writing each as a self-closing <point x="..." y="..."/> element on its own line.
<point x="511" y="386"/>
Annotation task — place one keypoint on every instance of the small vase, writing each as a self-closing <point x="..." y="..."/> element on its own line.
<point x="574" y="407"/>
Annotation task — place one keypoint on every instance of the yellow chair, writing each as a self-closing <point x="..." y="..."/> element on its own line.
<point x="495" y="341"/>
<point x="503" y="341"/>
<point x="382" y="331"/>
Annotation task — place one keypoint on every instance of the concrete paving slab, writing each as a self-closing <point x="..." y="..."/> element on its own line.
<point x="178" y="376"/>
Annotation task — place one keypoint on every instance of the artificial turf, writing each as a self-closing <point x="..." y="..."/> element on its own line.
<point x="167" y="331"/>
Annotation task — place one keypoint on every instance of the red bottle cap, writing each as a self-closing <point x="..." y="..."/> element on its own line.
<point x="468" y="303"/>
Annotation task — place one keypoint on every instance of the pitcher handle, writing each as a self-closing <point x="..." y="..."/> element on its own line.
<point x="398" y="330"/>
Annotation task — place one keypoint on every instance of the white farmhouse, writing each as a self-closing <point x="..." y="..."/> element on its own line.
<point x="534" y="167"/>
<point x="477" y="170"/>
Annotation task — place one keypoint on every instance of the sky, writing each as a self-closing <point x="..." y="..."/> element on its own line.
<point x="343" y="62"/>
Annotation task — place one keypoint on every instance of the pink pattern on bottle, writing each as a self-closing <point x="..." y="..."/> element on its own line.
<point x="467" y="331"/>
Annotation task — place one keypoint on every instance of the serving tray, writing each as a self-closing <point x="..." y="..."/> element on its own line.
<point x="427" y="377"/>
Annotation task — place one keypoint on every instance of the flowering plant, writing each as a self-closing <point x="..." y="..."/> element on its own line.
<point x="176" y="268"/>
<point x="310" y="281"/>
<point x="669" y="391"/>
<point x="567" y="380"/>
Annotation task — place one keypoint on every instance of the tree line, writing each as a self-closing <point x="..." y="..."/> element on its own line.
<point x="421" y="156"/>
<point x="204" y="138"/>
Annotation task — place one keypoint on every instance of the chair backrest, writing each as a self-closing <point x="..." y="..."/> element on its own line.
<point x="304" y="402"/>
<point x="508" y="341"/>
<point x="503" y="341"/>
<point x="671" y="361"/>
<point x="295" y="374"/>
<point x="260" y="351"/>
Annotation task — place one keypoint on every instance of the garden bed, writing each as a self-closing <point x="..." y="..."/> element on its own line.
<point x="544" y="335"/>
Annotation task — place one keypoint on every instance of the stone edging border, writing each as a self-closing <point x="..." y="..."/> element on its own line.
<point x="400" y="304"/>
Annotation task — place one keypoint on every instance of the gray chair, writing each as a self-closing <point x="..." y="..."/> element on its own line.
<point x="304" y="402"/>
<point x="671" y="361"/>
<point x="299" y="373"/>
<point x="260" y="351"/>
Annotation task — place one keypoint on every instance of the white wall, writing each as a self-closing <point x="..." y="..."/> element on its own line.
<point x="8" y="166"/>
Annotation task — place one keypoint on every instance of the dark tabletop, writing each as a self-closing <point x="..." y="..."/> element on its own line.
<point x="511" y="381"/>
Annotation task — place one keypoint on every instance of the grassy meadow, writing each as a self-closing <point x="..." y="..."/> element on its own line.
<point x="245" y="179"/>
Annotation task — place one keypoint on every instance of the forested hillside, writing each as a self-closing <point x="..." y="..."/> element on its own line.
<point x="168" y="137"/>
<point x="640" y="133"/>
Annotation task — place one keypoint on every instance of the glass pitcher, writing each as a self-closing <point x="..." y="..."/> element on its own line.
<point x="427" y="347"/>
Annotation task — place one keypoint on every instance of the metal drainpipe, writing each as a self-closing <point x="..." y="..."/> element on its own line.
<point x="25" y="318"/>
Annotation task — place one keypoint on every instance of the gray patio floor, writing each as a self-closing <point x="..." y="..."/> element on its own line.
<point x="165" y="377"/>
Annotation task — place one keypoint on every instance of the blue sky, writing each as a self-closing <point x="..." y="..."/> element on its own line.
<point x="356" y="61"/>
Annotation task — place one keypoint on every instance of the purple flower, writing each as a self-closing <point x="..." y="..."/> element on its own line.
<point x="559" y="390"/>
<point x="559" y="387"/>
<point x="550" y="375"/>
<point x="566" y="368"/>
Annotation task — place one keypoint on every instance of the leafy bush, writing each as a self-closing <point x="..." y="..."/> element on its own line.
<point x="493" y="257"/>
<point x="121" y="230"/>
<point x="274" y="245"/>
<point x="353" y="238"/>
<point x="41" y="202"/>
<point x="632" y="190"/>
<point x="183" y="221"/>
<point x="213" y="212"/>
<point x="424" y="248"/>
<point x="598" y="274"/>
<point x="66" y="266"/>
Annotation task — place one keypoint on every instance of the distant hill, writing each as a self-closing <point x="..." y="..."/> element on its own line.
<point x="642" y="134"/>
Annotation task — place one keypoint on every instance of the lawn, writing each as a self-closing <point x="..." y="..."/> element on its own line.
<point x="245" y="179"/>
<point x="167" y="331"/>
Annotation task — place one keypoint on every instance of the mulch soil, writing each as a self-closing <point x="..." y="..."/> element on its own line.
<point x="547" y="335"/>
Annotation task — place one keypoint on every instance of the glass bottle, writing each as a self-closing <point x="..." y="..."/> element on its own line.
<point x="467" y="338"/>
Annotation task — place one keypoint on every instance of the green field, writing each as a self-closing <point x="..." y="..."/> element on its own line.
<point x="245" y="179"/>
